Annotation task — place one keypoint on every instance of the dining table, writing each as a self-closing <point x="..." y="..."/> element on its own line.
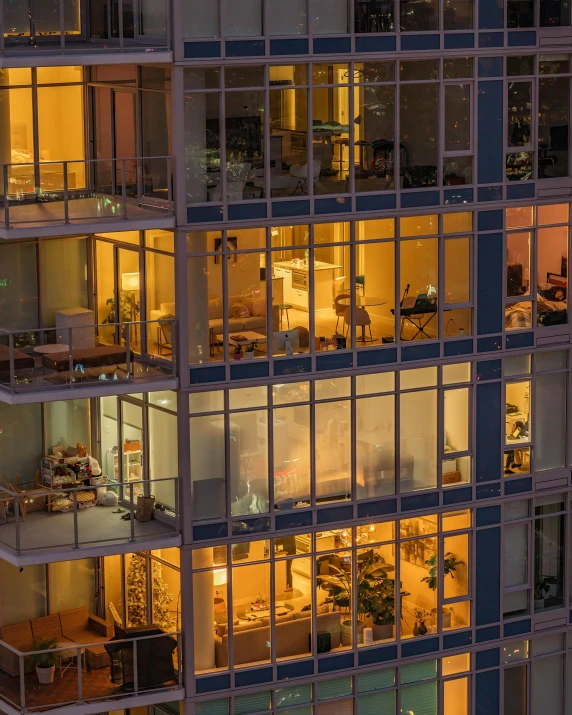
<point x="364" y="301"/>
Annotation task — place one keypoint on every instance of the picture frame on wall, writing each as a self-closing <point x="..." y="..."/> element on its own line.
<point x="231" y="245"/>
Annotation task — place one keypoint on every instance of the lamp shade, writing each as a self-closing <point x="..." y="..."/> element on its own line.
<point x="130" y="281"/>
<point x="219" y="577"/>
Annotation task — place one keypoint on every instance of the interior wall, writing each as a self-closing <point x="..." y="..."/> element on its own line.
<point x="62" y="257"/>
<point x="20" y="442"/>
<point x="66" y="423"/>
<point x="22" y="593"/>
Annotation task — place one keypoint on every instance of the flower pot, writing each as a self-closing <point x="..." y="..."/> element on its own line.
<point x="538" y="604"/>
<point x="248" y="354"/>
<point x="45" y="675"/>
<point x="237" y="356"/>
<point x="347" y="631"/>
<point x="445" y="618"/>
<point x="382" y="633"/>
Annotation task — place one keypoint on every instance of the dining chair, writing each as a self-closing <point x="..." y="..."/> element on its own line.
<point x="339" y="307"/>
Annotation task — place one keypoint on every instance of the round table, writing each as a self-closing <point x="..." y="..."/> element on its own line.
<point x="364" y="301"/>
<point x="52" y="348"/>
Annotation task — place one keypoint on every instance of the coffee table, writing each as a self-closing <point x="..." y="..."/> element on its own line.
<point x="246" y="337"/>
<point x="246" y="614"/>
<point x="52" y="348"/>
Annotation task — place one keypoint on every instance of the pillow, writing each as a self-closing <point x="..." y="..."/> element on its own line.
<point x="258" y="307"/>
<point x="239" y="310"/>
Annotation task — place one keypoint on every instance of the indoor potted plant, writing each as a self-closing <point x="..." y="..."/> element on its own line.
<point x="541" y="589"/>
<point x="450" y="563"/>
<point x="379" y="603"/>
<point x="421" y="615"/>
<point x="237" y="355"/>
<point x="249" y="350"/>
<point x="45" y="661"/>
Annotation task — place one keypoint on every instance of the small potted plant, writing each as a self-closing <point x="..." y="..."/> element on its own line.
<point x="237" y="355"/>
<point x="541" y="589"/>
<point x="45" y="662"/>
<point x="249" y="350"/>
<point x="421" y="615"/>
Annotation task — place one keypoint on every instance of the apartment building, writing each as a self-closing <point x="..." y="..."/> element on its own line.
<point x="284" y="356"/>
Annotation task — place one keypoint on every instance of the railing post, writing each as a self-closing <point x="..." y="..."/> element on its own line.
<point x="135" y="667"/>
<point x="22" y="682"/>
<point x="128" y="349"/>
<point x="11" y="359"/>
<point x="17" y="518"/>
<point x="70" y="354"/>
<point x="169" y="184"/>
<point x="6" y="201"/>
<point x="177" y="519"/>
<point x="179" y="658"/>
<point x="62" y="27"/>
<point x="79" y="674"/>
<point x="66" y="194"/>
<point x="120" y="11"/>
<point x="131" y="513"/>
<point x="75" y="522"/>
<point x="123" y="187"/>
<point x="2" y="25"/>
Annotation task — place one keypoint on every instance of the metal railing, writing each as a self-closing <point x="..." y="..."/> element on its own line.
<point x="71" y="661"/>
<point x="48" y="358"/>
<point x="18" y="534"/>
<point x="66" y="192"/>
<point x="118" y="26"/>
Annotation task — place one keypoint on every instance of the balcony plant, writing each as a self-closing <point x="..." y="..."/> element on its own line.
<point x="249" y="350"/>
<point x="45" y="662"/>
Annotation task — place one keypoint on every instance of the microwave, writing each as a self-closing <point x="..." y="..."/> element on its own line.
<point x="300" y="280"/>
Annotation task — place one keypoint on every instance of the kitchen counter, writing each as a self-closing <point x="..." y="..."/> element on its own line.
<point x="318" y="266"/>
<point x="297" y="282"/>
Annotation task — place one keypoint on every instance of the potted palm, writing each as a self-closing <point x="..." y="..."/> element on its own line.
<point x="378" y="600"/>
<point x="46" y="660"/>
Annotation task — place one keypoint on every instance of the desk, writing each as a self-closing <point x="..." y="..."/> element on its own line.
<point x="364" y="301"/>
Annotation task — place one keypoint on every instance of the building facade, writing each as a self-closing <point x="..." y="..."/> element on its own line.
<point x="284" y="356"/>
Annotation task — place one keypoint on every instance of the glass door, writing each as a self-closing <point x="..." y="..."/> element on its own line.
<point x="129" y="294"/>
<point x="125" y="142"/>
<point x="132" y="449"/>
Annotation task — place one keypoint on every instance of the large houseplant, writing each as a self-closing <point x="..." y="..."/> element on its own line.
<point x="450" y="564"/>
<point x="45" y="662"/>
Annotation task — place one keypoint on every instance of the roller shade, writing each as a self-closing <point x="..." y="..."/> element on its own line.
<point x="253" y="703"/>
<point x="426" y="670"/>
<point x="296" y="695"/>
<point x="334" y="688"/>
<point x="376" y="680"/>
<point x="212" y="707"/>
<point x="419" y="699"/>
<point x="377" y="703"/>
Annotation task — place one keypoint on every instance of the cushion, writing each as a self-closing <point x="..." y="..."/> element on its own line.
<point x="239" y="310"/>
<point x="258" y="307"/>
<point x="167" y="307"/>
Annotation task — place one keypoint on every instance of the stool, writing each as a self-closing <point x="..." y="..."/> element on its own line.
<point x="285" y="307"/>
<point x="97" y="657"/>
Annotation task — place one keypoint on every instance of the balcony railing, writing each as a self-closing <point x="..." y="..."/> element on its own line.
<point x="93" y="672"/>
<point x="40" y="520"/>
<point x="95" y="190"/>
<point x="84" y="27"/>
<point x="74" y="358"/>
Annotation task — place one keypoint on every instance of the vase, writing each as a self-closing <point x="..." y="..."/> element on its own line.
<point x="248" y="354"/>
<point x="416" y="629"/>
<point x="347" y="631"/>
<point x="422" y="628"/>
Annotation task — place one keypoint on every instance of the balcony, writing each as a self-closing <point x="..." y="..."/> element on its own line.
<point x="88" y="361"/>
<point x="91" y="667"/>
<point x="59" y="197"/>
<point x="40" y="525"/>
<point x="130" y="30"/>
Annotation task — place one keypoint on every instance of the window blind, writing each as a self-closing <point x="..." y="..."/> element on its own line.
<point x="415" y="672"/>
<point x="419" y="699"/>
<point x="337" y="707"/>
<point x="334" y="688"/>
<point x="376" y="680"/>
<point x="296" y="695"/>
<point x="212" y="707"/>
<point x="253" y="703"/>
<point x="377" y="703"/>
<point x="302" y="710"/>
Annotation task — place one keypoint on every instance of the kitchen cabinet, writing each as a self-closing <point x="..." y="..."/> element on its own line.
<point x="297" y="281"/>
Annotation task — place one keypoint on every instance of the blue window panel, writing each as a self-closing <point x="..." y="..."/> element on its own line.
<point x="207" y="374"/>
<point x="201" y="49"/>
<point x="241" y="212"/>
<point x="295" y="670"/>
<point x="243" y="679"/>
<point x="490" y="67"/>
<point x="419" y="42"/>
<point x="489" y="139"/>
<point x="336" y="361"/>
<point x="204" y="214"/>
<point x="487" y="345"/>
<point x="293" y="520"/>
<point x="249" y="369"/>
<point x="411" y="200"/>
<point x="488" y="515"/>
<point x="340" y="662"/>
<point x="376" y="44"/>
<point x="519" y="340"/>
<point x="459" y="41"/>
<point x="377" y="357"/>
<point x="487" y="658"/>
<point x="518" y="486"/>
<point x="458" y="196"/>
<point x="419" y="647"/>
<point x="490" y="220"/>
<point x="210" y="531"/>
<point x="516" y="628"/>
<point x="209" y="685"/>
<point x="490" y="429"/>
<point x="487" y="582"/>
<point x="285" y="209"/>
<point x="420" y="501"/>
<point x="458" y="347"/>
<point x="491" y="490"/>
<point x="298" y="46"/>
<point x="491" y="39"/>
<point x="522" y="39"/>
<point x="487" y="693"/>
<point x="457" y="496"/>
<point x="420" y="352"/>
<point x="336" y="513"/>
<point x="377" y="508"/>
<point x="489" y="370"/>
<point x="489" y="193"/>
<point x="377" y="655"/>
<point x="292" y="367"/>
<point x="489" y="633"/>
<point x="491" y="15"/>
<point x="458" y="640"/>
<point x="490" y="308"/>
<point x="245" y="48"/>
<point x="376" y="202"/>
<point x="521" y="191"/>
<point x="343" y="204"/>
<point x="332" y="45"/>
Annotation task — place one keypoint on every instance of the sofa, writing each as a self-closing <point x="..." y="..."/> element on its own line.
<point x="76" y="626"/>
<point x="164" y="309"/>
<point x="293" y="631"/>
<point x="100" y="356"/>
<point x="256" y="321"/>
